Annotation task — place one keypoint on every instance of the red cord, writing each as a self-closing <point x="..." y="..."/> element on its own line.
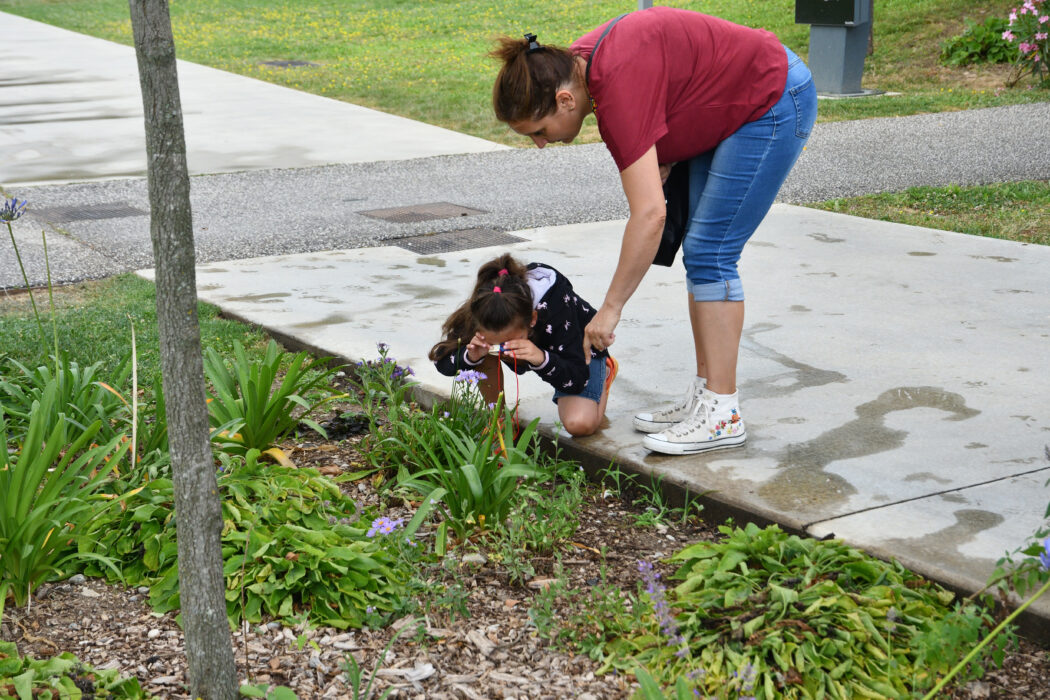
<point x="517" y="388"/>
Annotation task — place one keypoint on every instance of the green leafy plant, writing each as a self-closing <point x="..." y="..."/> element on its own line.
<point x="80" y="395"/>
<point x="267" y="691"/>
<point x="49" y="491"/>
<point x="62" y="676"/>
<point x="979" y="43"/>
<point x="472" y="479"/>
<point x="795" y="617"/>
<point x="248" y="412"/>
<point x="292" y="543"/>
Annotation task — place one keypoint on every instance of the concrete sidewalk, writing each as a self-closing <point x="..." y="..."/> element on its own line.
<point x="71" y="109"/>
<point x="892" y="377"/>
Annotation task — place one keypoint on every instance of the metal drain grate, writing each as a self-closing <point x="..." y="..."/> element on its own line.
<point x="451" y="241"/>
<point x="88" y="212"/>
<point x="421" y="212"/>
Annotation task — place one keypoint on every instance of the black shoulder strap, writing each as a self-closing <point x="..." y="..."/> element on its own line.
<point x="587" y="76"/>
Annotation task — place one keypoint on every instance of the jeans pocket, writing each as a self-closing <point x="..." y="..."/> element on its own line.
<point x="803" y="119"/>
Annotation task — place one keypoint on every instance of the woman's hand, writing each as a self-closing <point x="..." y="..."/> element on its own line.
<point x="599" y="332"/>
<point x="477" y="348"/>
<point x="665" y="172"/>
<point x="525" y="349"/>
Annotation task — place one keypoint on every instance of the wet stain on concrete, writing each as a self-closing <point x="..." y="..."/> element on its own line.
<point x="975" y="446"/>
<point x="1023" y="369"/>
<point x="825" y="238"/>
<point x="312" y="267"/>
<point x="791" y="420"/>
<point x="954" y="498"/>
<point x="803" y="485"/>
<point x="324" y="299"/>
<point x="329" y="320"/>
<point x="798" y="376"/>
<point x="762" y="244"/>
<point x="1014" y="291"/>
<point x="423" y="291"/>
<point x="213" y="269"/>
<point x="996" y="258"/>
<point x="943" y="545"/>
<point x="208" y="287"/>
<point x="271" y="298"/>
<point x="436" y="262"/>
<point x="920" y="253"/>
<point x="822" y="274"/>
<point x="927" y="476"/>
<point x="799" y="307"/>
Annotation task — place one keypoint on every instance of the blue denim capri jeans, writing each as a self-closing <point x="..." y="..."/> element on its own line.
<point x="732" y="187"/>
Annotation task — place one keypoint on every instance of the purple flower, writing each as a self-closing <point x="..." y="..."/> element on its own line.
<point x="384" y="526"/>
<point x="382" y="347"/>
<point x="12" y="209"/>
<point x="1044" y="556"/>
<point x="661" y="609"/>
<point x="470" y="376"/>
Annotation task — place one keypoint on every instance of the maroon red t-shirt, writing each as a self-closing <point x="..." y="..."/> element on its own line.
<point x="681" y="80"/>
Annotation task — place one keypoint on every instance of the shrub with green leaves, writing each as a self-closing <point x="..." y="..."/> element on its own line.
<point x="778" y="616"/>
<point x="979" y="43"/>
<point x="49" y="493"/>
<point x="248" y="412"/>
<point x="472" y="479"/>
<point x="62" y="676"/>
<point x="80" y="395"/>
<point x="292" y="543"/>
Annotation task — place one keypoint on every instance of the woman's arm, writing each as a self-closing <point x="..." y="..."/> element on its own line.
<point x="645" y="196"/>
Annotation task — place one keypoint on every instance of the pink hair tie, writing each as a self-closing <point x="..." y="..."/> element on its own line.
<point x="496" y="290"/>
<point x="502" y="272"/>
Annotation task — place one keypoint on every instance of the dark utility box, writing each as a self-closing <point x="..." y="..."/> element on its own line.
<point x="840" y="13"/>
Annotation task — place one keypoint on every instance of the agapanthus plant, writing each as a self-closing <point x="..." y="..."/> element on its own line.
<point x="1030" y="28"/>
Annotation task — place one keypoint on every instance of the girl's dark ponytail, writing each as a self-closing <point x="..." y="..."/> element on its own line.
<point x="501" y="298"/>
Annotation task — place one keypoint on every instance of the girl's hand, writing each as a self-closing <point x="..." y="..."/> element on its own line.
<point x="665" y="172"/>
<point x="477" y="348"/>
<point x="599" y="332"/>
<point x="525" y="349"/>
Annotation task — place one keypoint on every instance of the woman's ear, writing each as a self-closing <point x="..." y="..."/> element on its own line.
<point x="533" y="322"/>
<point x="565" y="100"/>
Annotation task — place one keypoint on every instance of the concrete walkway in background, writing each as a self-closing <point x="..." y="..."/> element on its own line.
<point x="893" y="378"/>
<point x="71" y="109"/>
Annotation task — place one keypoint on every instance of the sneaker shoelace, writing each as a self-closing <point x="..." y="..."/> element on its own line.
<point x="700" y="415"/>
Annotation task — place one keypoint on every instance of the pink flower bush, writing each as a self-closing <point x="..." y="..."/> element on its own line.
<point x="1028" y="28"/>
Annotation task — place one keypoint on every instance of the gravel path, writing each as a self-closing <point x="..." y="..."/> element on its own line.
<point x="312" y="209"/>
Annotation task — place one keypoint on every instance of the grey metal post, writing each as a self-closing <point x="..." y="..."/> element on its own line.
<point x="838" y="43"/>
<point x="643" y="4"/>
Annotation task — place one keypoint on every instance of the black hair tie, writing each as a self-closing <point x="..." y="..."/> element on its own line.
<point x="533" y="44"/>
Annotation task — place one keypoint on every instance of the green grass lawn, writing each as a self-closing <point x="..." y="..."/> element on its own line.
<point x="1016" y="211"/>
<point x="94" y="325"/>
<point x="425" y="59"/>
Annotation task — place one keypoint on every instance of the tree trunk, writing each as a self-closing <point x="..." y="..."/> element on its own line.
<point x="209" y="651"/>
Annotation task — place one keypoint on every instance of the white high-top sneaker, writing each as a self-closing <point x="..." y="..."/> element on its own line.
<point x="668" y="415"/>
<point x="714" y="424"/>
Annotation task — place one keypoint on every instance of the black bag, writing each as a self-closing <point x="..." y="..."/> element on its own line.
<point x="676" y="195"/>
<point x="676" y="191"/>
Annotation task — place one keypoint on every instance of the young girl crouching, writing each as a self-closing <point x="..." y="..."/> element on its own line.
<point x="530" y="319"/>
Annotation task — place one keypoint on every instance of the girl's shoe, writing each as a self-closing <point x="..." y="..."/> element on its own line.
<point x="667" y="416"/>
<point x="714" y="424"/>
<point x="612" y="368"/>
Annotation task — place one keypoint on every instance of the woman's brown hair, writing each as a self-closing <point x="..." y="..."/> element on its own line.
<point x="501" y="298"/>
<point x="529" y="78"/>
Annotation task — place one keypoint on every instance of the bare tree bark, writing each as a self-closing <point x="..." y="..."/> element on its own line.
<point x="209" y="651"/>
